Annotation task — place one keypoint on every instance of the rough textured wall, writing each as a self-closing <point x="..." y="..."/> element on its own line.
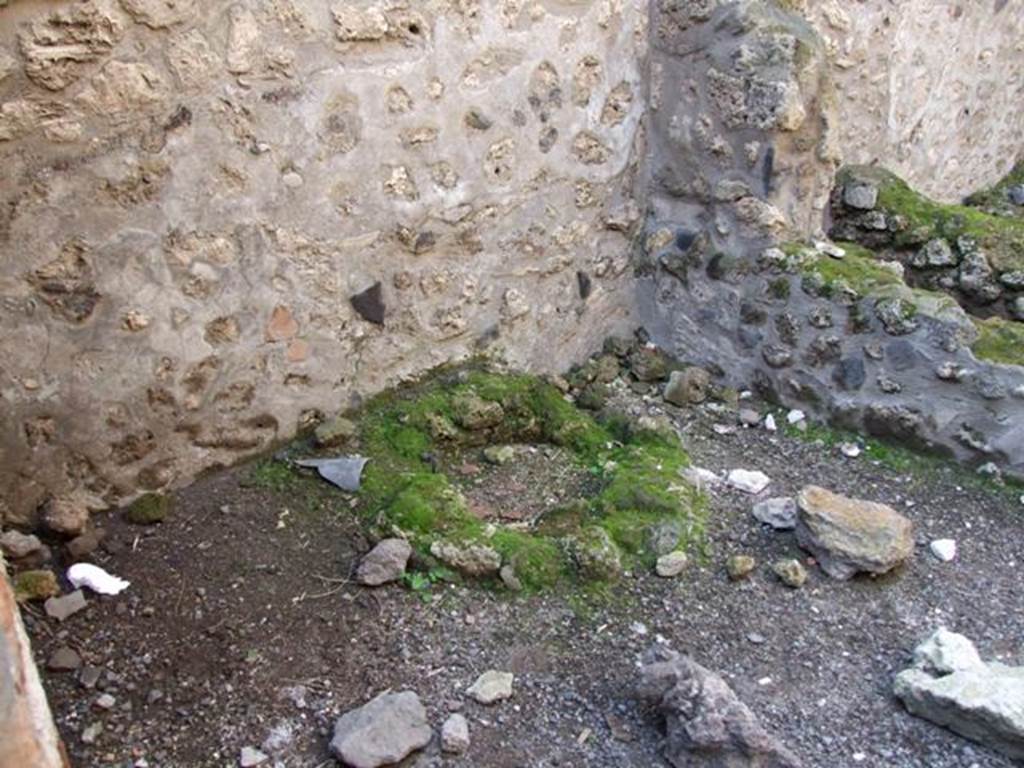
<point x="219" y="219"/>
<point x="931" y="89"/>
<point x="741" y="148"/>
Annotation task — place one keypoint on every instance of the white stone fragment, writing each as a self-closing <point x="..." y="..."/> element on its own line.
<point x="795" y="416"/>
<point x="944" y="549"/>
<point x="748" y="481"/>
<point x="769" y="423"/>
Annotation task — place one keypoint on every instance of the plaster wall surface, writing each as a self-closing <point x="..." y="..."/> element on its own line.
<point x="931" y="89"/>
<point x="222" y="220"/>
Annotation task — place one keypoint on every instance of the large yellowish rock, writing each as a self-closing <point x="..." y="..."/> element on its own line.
<point x="848" y="536"/>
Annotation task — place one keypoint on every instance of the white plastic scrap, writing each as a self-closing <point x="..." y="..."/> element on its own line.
<point x="96" y="579"/>
<point x="850" y="450"/>
<point x="795" y="416"/>
<point x="769" y="423"/>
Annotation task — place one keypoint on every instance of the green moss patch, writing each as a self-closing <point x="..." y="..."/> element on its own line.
<point x="150" y="509"/>
<point x="859" y="272"/>
<point x="996" y="199"/>
<point x="922" y="219"/>
<point x="639" y="487"/>
<point x="999" y="341"/>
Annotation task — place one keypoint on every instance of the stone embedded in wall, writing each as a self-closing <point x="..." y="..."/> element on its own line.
<point x="67" y="284"/>
<point x="586" y="77"/>
<point x="617" y="105"/>
<point x="400" y="183"/>
<point x="61" y="46"/>
<point x="359" y="24"/>
<point x="398" y="100"/>
<point x="589" y="149"/>
<point x="342" y="124"/>
<point x="492" y="64"/>
<point x="499" y="163"/>
<point x="370" y="304"/>
<point x="545" y="91"/>
<point x="282" y="325"/>
<point x="159" y="14"/>
<point x="243" y="40"/>
<point x="123" y="87"/>
<point x="191" y="58"/>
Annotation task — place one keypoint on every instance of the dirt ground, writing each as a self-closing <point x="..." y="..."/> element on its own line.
<point x="241" y="627"/>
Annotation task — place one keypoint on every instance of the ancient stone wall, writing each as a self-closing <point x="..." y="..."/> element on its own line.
<point x="931" y="89"/>
<point x="220" y="220"/>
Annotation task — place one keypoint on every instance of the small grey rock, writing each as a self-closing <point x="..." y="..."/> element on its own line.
<point x="860" y="195"/>
<point x="491" y="687"/>
<point x="780" y="513"/>
<point x="62" y="608"/>
<point x="384" y="563"/>
<point x="671" y="565"/>
<point x="381" y="732"/>
<point x="455" y="735"/>
<point x="251" y="757"/>
<point x="16" y="545"/>
<point x="64" y="659"/>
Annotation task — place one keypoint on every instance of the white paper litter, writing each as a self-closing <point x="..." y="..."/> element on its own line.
<point x="96" y="579"/>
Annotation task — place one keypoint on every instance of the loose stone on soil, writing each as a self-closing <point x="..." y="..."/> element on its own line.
<point x="491" y="687"/>
<point x="944" y="549"/>
<point x="790" y="572"/>
<point x="62" y="608"/>
<point x="250" y="757"/>
<point x="706" y="724"/>
<point x="671" y="565"/>
<point x="384" y="563"/>
<point x="64" y="659"/>
<point x="688" y="387"/>
<point x="952" y="687"/>
<point x="16" y="545"/>
<point x="779" y="513"/>
<point x="748" y="481"/>
<point x="455" y="735"/>
<point x="470" y="559"/>
<point x="382" y="731"/>
<point x="849" y="535"/>
<point x="740" y="566"/>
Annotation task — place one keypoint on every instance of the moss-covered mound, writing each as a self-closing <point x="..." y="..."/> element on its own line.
<point x="642" y="507"/>
<point x="999" y="341"/>
<point x="973" y="255"/>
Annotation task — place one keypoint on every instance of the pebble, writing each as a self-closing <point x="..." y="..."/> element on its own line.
<point x="64" y="659"/>
<point x="455" y="735"/>
<point x="740" y="566"/>
<point x="749" y="417"/>
<point x="780" y="513"/>
<point x="791" y="573"/>
<point x="491" y="687"/>
<point x="756" y="638"/>
<point x="92" y="733"/>
<point x="795" y="416"/>
<point x="105" y="701"/>
<point x="944" y="549"/>
<point x="251" y="757"/>
<point x="62" y="608"/>
<point x="769" y="423"/>
<point x="671" y="565"/>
